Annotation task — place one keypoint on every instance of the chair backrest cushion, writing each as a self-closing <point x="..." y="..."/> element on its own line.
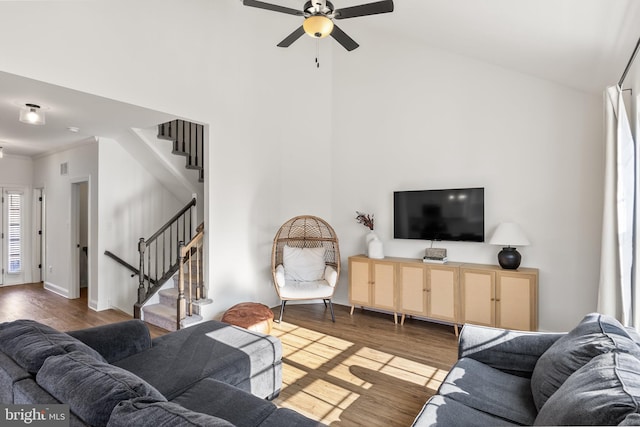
<point x="303" y="264"/>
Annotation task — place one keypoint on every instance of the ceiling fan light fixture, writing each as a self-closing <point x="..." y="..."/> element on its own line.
<point x="318" y="26"/>
<point x="32" y="114"/>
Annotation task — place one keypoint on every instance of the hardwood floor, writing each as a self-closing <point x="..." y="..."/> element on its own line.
<point x="32" y="301"/>
<point x="361" y="370"/>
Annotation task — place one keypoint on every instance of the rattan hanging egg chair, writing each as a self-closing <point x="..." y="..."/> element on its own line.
<point x="305" y="261"/>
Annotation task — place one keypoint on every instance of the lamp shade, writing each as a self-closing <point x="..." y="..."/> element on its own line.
<point x="509" y="234"/>
<point x="32" y="114"/>
<point x="318" y="26"/>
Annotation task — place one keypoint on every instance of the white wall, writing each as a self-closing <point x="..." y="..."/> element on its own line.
<point x="418" y="118"/>
<point x="132" y="205"/>
<point x="82" y="164"/>
<point x="16" y="171"/>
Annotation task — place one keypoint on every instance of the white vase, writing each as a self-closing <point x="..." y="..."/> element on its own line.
<point x="375" y="249"/>
<point x="368" y="238"/>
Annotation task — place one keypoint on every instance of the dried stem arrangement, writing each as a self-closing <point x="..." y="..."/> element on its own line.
<point x="365" y="219"/>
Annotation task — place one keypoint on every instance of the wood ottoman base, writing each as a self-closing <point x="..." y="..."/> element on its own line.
<point x="250" y="315"/>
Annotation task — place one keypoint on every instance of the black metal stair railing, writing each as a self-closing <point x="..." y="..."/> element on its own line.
<point x="125" y="264"/>
<point x="160" y="253"/>
<point x="188" y="141"/>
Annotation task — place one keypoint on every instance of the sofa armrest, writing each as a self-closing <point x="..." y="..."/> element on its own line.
<point x="515" y="352"/>
<point x="117" y="340"/>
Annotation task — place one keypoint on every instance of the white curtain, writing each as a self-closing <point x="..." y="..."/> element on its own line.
<point x="616" y="296"/>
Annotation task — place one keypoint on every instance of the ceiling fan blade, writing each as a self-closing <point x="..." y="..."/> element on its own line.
<point x="365" y="9"/>
<point x="292" y="37"/>
<point x="273" y="7"/>
<point x="342" y="38"/>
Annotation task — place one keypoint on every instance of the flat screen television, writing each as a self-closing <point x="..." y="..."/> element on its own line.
<point x="454" y="215"/>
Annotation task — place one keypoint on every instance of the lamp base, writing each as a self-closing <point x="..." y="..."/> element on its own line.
<point x="509" y="258"/>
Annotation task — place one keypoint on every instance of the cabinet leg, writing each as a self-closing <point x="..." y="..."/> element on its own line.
<point x="352" y="307"/>
<point x="455" y="327"/>
<point x="395" y="317"/>
<point x="402" y="319"/>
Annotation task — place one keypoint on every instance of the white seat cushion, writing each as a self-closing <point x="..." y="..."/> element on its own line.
<point x="317" y="289"/>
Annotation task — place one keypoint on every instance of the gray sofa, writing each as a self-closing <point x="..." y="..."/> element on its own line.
<point x="588" y="376"/>
<point x="211" y="374"/>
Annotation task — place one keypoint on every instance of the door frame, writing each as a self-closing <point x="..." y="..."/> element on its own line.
<point x="38" y="272"/>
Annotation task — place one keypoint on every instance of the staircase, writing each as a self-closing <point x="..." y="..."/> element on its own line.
<point x="188" y="141"/>
<point x="170" y="273"/>
<point x="164" y="313"/>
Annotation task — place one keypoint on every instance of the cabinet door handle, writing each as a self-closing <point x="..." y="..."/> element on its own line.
<point x="493" y="299"/>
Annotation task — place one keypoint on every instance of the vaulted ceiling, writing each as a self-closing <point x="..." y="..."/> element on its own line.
<point x="583" y="44"/>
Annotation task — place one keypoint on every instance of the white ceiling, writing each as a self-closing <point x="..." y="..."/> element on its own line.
<point x="583" y="44"/>
<point x="93" y="115"/>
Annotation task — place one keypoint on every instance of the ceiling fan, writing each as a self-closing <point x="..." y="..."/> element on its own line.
<point x="318" y="19"/>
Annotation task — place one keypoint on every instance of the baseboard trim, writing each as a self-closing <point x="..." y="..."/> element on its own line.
<point x="56" y="289"/>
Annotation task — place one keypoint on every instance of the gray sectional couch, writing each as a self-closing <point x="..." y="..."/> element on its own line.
<point x="588" y="376"/>
<point x="211" y="374"/>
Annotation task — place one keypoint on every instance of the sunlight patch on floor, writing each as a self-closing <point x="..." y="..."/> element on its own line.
<point x="323" y="374"/>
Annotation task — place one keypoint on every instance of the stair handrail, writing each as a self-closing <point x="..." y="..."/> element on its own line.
<point x="162" y="256"/>
<point x="128" y="266"/>
<point x="190" y="252"/>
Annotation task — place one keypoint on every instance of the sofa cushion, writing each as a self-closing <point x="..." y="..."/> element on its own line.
<point x="303" y="264"/>
<point x="490" y="390"/>
<point x="90" y="387"/>
<point x="596" y="334"/>
<point x="115" y="341"/>
<point x="603" y="392"/>
<point x="10" y="373"/>
<point x="144" y="411"/>
<point x="227" y="402"/>
<point x="444" y="411"/>
<point x="284" y="417"/>
<point x="30" y="343"/>
<point x="214" y="349"/>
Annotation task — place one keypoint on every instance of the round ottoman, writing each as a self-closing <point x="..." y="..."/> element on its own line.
<point x="250" y="315"/>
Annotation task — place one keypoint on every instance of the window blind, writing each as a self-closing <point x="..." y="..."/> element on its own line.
<point x="14" y="231"/>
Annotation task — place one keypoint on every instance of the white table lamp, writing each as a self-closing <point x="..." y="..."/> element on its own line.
<point x="507" y="235"/>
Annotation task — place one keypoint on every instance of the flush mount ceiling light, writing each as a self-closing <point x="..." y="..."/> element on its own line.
<point x="32" y="114"/>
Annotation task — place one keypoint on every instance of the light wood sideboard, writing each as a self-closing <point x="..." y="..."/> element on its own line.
<point x="454" y="293"/>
